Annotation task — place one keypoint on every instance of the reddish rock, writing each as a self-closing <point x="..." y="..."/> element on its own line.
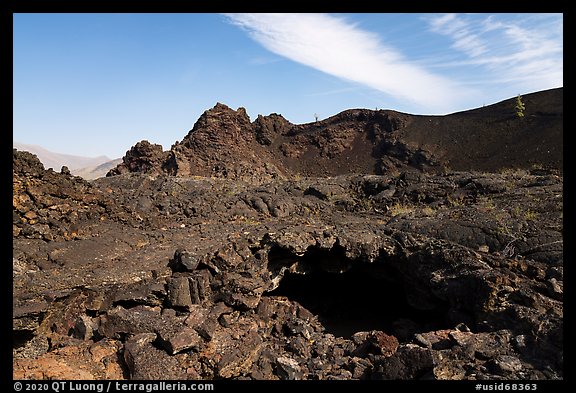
<point x="86" y="360"/>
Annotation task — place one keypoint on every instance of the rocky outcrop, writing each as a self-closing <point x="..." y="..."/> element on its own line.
<point x="52" y="206"/>
<point x="222" y="144"/>
<point x="407" y="275"/>
<point x="143" y="157"/>
<point x="268" y="129"/>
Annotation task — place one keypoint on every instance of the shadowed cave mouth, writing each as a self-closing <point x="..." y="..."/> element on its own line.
<point x="350" y="296"/>
<point x="21" y="337"/>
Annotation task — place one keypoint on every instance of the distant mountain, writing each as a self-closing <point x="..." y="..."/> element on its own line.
<point x="91" y="173"/>
<point x="55" y="161"/>
<point x="86" y="167"/>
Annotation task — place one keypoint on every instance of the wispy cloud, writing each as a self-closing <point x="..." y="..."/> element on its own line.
<point x="461" y="32"/>
<point x="339" y="48"/>
<point x="524" y="51"/>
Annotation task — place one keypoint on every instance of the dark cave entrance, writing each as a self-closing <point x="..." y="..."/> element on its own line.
<point x="361" y="297"/>
<point x="21" y="337"/>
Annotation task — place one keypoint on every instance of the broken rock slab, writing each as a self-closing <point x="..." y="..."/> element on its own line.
<point x="375" y="342"/>
<point x="178" y="338"/>
<point x="288" y="368"/>
<point x="179" y="292"/>
<point x="183" y="261"/>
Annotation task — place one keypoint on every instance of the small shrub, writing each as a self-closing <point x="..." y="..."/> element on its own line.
<point x="520" y="107"/>
<point x="456" y="202"/>
<point x="399" y="208"/>
<point x="487" y="204"/>
<point x="530" y="215"/>
<point x="428" y="211"/>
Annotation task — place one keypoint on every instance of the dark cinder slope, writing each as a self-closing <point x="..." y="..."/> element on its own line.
<point x="493" y="137"/>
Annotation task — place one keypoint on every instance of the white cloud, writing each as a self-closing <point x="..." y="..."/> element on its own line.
<point x="518" y="50"/>
<point x="339" y="48"/>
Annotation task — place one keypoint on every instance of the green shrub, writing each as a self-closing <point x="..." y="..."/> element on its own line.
<point x="520" y="107"/>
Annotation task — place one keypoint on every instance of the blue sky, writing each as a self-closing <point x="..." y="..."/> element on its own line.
<point x="95" y="84"/>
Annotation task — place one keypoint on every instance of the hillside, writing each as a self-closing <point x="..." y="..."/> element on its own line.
<point x="95" y="172"/>
<point x="225" y="144"/>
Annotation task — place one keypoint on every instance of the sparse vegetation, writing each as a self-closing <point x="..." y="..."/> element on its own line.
<point x="525" y="214"/>
<point x="530" y="215"/>
<point x="487" y="204"/>
<point x="399" y="208"/>
<point x="428" y="211"/>
<point x="456" y="202"/>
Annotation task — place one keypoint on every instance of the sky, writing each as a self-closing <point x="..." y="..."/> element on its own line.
<point x="96" y="84"/>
